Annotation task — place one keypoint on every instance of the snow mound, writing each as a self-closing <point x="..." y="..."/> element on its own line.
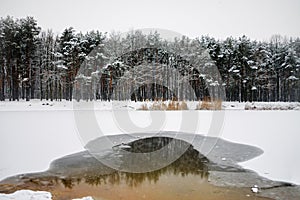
<point x="27" y="195"/>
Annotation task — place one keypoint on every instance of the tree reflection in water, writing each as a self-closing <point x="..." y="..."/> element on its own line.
<point x="191" y="162"/>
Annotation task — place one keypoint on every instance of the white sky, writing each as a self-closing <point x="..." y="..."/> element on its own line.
<point x="258" y="19"/>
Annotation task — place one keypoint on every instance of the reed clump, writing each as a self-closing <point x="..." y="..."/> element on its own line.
<point x="208" y="104"/>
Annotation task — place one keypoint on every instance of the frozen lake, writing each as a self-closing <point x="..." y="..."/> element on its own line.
<point x="31" y="139"/>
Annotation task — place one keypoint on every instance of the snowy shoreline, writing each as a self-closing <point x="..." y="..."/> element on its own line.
<point x="37" y="105"/>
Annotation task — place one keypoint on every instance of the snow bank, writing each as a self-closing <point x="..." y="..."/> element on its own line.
<point x="32" y="195"/>
<point x="27" y="195"/>
<point x="272" y="106"/>
<point x="35" y="105"/>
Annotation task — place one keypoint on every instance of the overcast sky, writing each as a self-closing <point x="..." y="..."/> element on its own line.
<point x="258" y="19"/>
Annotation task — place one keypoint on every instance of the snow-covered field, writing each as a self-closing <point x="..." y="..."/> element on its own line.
<point x="33" y="135"/>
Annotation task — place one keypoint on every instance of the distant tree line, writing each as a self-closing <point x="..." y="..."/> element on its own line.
<point x="37" y="64"/>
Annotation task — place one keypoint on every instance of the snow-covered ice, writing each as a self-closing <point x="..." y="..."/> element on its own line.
<point x="33" y="136"/>
<point x="85" y="198"/>
<point x="276" y="133"/>
<point x="255" y="189"/>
